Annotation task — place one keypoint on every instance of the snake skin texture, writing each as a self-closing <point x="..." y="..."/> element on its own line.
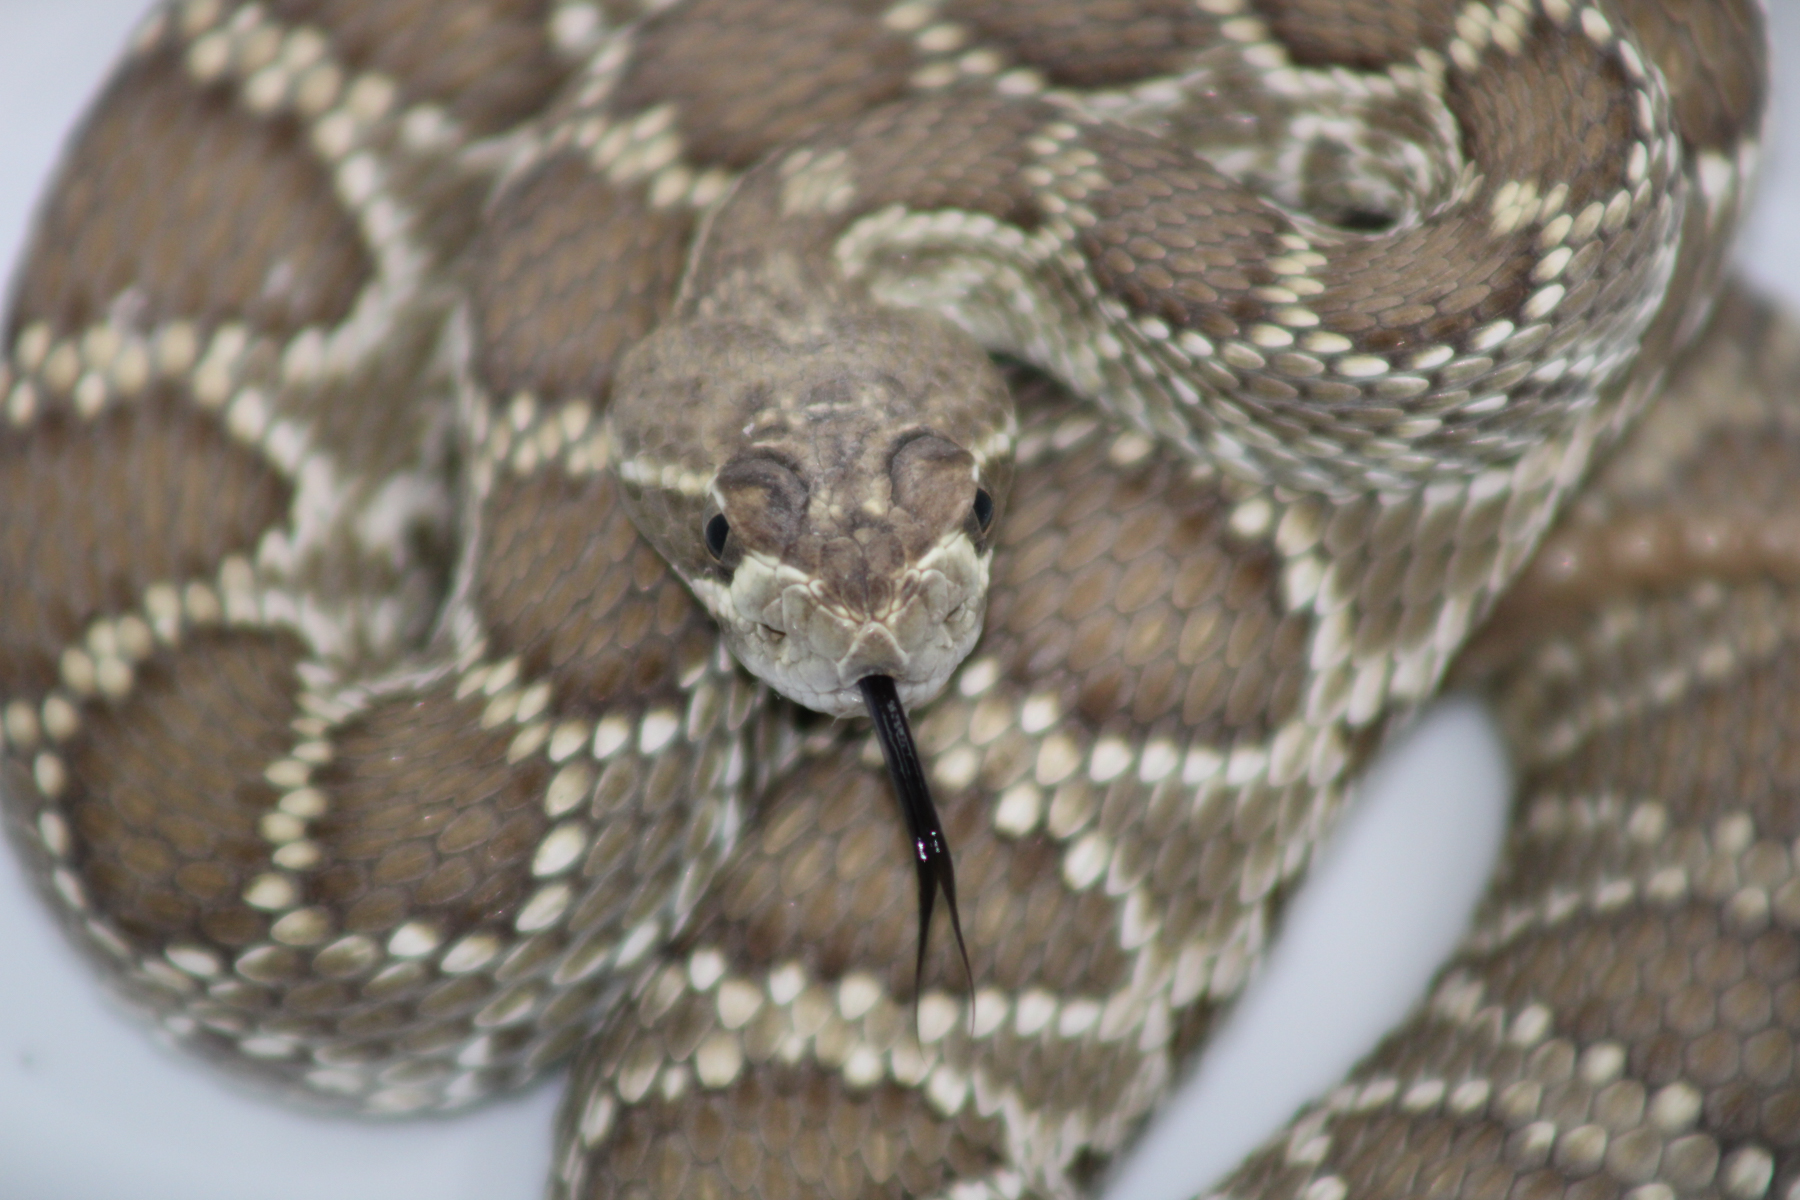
<point x="251" y="470"/>
<point x="1621" y="1017"/>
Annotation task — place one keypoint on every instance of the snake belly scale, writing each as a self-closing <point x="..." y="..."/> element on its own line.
<point x="374" y="718"/>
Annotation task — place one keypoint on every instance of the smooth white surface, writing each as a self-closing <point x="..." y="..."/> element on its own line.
<point x="90" y="1109"/>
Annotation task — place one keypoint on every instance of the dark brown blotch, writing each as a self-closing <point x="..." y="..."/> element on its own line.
<point x="168" y="788"/>
<point x="1123" y="590"/>
<point x="778" y="1132"/>
<point x="93" y="512"/>
<point x="748" y="77"/>
<point x="1081" y="44"/>
<point x="567" y="583"/>
<point x="488" y="63"/>
<point x="827" y="879"/>
<point x="569" y="272"/>
<point x="1368" y="34"/>
<point x="173" y="202"/>
<point x="414" y="784"/>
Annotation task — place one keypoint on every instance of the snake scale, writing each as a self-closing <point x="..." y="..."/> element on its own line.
<point x="357" y="732"/>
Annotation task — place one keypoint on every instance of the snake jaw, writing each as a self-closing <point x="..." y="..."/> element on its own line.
<point x="873" y="652"/>
<point x="788" y="629"/>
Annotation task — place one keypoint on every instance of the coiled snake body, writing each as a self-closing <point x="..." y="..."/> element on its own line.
<point x="356" y="730"/>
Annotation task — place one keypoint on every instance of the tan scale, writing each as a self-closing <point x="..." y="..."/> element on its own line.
<point x="355" y="729"/>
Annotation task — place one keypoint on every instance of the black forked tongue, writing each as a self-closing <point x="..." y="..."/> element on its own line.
<point x="931" y="849"/>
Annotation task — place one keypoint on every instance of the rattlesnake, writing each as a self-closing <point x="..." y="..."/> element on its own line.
<point x="1125" y="450"/>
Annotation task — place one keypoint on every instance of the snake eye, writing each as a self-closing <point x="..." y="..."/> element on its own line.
<point x="716" y="531"/>
<point x="984" y="509"/>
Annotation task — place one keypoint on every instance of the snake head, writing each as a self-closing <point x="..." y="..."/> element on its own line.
<point x="853" y="552"/>
<point x="830" y="489"/>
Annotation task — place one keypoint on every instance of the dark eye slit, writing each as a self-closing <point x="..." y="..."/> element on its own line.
<point x="717" y="530"/>
<point x="984" y="509"/>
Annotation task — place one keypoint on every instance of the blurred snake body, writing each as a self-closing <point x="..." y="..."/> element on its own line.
<point x="457" y="456"/>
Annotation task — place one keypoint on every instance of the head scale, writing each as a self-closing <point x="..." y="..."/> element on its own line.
<point x="828" y="485"/>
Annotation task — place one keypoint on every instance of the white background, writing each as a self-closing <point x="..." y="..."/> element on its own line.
<point x="91" y="1109"/>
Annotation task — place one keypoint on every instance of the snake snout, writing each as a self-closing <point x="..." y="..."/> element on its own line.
<point x="873" y="652"/>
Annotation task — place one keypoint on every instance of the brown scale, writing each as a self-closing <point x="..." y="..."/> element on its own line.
<point x="457" y="849"/>
<point x="1372" y="34"/>
<point x="571" y="272"/>
<point x="1079" y="45"/>
<point x="1691" y="42"/>
<point x="279" y="251"/>
<point x="1690" y="496"/>
<point x="1504" y="127"/>
<point x="613" y="623"/>
<point x="487" y="65"/>
<point x="69" y="554"/>
<point x="1502" y="135"/>
<point x="1651" y="1037"/>
<point x="956" y="152"/>
<point x="1172" y="243"/>
<point x="447" y="835"/>
<point x="1404" y="291"/>
<point x="169" y="849"/>
<point x="822" y="880"/>
<point x="1096" y="586"/>
<point x="928" y="157"/>
<point x="456" y="853"/>
<point x="749" y="77"/>
<point x="1401" y="559"/>
<point x="1671" y="1051"/>
<point x="487" y="62"/>
<point x="784" y="1134"/>
<point x="820" y="877"/>
<point x="372" y="442"/>
<point x="819" y="860"/>
<point x="444" y="836"/>
<point x="165" y="817"/>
